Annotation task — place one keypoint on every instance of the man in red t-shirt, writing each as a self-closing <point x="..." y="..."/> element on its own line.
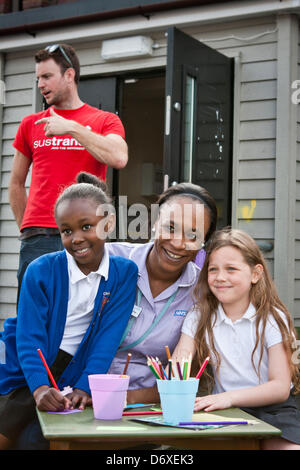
<point x="69" y="137"/>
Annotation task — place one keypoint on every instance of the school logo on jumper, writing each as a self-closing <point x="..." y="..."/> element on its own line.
<point x="59" y="143"/>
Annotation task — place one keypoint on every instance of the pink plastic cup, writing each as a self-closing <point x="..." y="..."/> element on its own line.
<point x="108" y="395"/>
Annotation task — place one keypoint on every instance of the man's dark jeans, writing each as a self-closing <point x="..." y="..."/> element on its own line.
<point x="32" y="248"/>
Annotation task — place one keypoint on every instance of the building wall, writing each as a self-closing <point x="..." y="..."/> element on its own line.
<point x="19" y="81"/>
<point x="253" y="44"/>
<point x="297" y="218"/>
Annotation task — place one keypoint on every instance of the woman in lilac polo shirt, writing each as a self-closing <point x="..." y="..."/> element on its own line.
<point x="167" y="274"/>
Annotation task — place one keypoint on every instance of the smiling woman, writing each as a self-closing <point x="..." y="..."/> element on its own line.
<point x="167" y="274"/>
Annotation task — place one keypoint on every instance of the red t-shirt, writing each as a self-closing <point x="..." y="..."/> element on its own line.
<point x="57" y="160"/>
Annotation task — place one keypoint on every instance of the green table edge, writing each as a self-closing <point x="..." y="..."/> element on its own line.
<point x="64" y="427"/>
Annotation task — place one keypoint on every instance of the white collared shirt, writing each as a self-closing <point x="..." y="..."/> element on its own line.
<point x="82" y="293"/>
<point x="235" y="341"/>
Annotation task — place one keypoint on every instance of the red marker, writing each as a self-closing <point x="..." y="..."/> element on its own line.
<point x="47" y="369"/>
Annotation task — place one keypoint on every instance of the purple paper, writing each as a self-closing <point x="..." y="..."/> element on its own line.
<point x="65" y="412"/>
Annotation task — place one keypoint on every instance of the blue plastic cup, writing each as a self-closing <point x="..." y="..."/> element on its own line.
<point x="177" y="399"/>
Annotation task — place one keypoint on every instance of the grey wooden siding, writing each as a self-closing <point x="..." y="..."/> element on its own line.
<point x="19" y="80"/>
<point x="297" y="211"/>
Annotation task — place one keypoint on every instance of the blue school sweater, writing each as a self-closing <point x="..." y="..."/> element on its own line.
<point x="41" y="321"/>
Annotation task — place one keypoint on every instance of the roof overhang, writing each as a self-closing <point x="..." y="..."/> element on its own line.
<point x="194" y="13"/>
<point x="85" y="11"/>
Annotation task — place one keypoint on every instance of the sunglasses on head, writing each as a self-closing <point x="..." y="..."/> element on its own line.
<point x="54" y="48"/>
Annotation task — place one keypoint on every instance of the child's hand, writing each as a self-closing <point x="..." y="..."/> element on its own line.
<point x="220" y="401"/>
<point x="50" y="399"/>
<point x="79" y="399"/>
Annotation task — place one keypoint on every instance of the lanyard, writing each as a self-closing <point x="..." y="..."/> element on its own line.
<point x="148" y="331"/>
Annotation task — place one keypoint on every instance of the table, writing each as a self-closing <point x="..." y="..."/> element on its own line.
<point x="81" y="431"/>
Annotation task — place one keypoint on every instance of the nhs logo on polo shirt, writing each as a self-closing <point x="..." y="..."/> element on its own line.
<point x="180" y="313"/>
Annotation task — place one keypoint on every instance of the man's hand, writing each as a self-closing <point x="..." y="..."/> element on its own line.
<point x="55" y="124"/>
<point x="110" y="149"/>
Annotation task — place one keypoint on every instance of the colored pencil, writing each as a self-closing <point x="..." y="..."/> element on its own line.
<point x="104" y="300"/>
<point x="168" y="352"/>
<point x="170" y="370"/>
<point x="162" y="373"/>
<point x="169" y="358"/>
<point x="224" y="423"/>
<point x="202" y="368"/>
<point x="179" y="370"/>
<point x="136" y="413"/>
<point x="176" y="376"/>
<point x="155" y="365"/>
<point x="153" y="370"/>
<point x="189" y="366"/>
<point x="185" y="368"/>
<point x="47" y="369"/>
<point x="162" y="370"/>
<point x="127" y="362"/>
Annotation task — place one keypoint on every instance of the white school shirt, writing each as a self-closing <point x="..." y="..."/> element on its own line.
<point x="235" y="341"/>
<point x="82" y="293"/>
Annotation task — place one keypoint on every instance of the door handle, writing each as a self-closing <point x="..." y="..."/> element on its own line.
<point x="166" y="182"/>
<point x="168" y="115"/>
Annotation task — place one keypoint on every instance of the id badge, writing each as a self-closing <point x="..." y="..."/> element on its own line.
<point x="136" y="311"/>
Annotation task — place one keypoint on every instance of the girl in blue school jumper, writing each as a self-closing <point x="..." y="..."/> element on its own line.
<point x="246" y="330"/>
<point x="74" y="305"/>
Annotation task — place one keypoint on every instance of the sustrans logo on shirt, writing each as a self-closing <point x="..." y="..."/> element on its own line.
<point x="56" y="143"/>
<point x="59" y="143"/>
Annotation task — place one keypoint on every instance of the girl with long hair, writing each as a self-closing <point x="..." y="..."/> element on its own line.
<point x="242" y="325"/>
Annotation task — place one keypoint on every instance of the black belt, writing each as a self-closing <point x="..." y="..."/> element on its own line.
<point x="34" y="231"/>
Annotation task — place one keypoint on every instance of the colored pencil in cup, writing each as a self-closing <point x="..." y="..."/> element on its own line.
<point x="47" y="369"/>
<point x="176" y="375"/>
<point x="153" y="370"/>
<point x="179" y="370"/>
<point x="202" y="368"/>
<point x="162" y="370"/>
<point x="169" y="358"/>
<point x="126" y="365"/>
<point x="168" y="352"/>
<point x="170" y="371"/>
<point x="155" y="365"/>
<point x="189" y="366"/>
<point x="185" y="369"/>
